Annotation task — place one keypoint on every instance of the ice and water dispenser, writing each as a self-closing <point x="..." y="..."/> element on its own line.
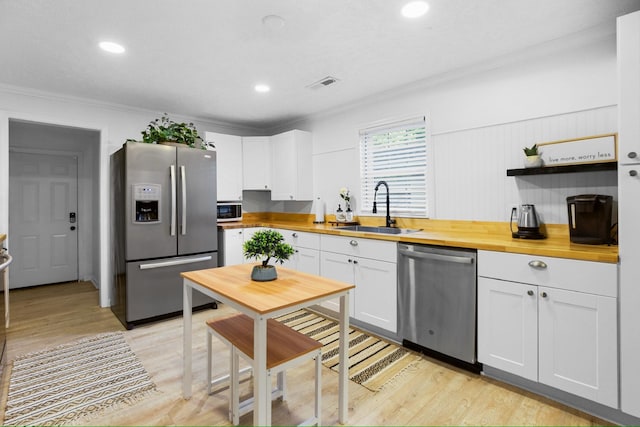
<point x="146" y="203"/>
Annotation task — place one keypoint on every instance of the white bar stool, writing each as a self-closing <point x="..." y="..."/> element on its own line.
<point x="285" y="348"/>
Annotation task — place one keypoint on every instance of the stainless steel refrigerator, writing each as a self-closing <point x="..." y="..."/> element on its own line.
<point x="163" y="223"/>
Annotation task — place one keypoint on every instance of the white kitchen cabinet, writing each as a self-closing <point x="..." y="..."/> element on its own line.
<point x="306" y="246"/>
<point x="256" y="163"/>
<point x="628" y="45"/>
<point x="233" y="240"/>
<point x="629" y="254"/>
<point x="228" y="164"/>
<point x="370" y="265"/>
<point x="338" y="267"/>
<point x="291" y="166"/>
<point x="508" y="326"/>
<point x="628" y="56"/>
<point x="577" y="335"/>
<point x="536" y="320"/>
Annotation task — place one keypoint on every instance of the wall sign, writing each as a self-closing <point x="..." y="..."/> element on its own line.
<point x="590" y="149"/>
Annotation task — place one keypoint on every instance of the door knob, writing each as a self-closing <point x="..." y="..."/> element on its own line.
<point x="72" y="228"/>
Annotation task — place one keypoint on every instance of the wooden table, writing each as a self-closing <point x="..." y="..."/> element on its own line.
<point x="292" y="290"/>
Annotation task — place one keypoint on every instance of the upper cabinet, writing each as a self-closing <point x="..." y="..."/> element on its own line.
<point x="291" y="166"/>
<point x="256" y="163"/>
<point x="628" y="45"/>
<point x="229" y="165"/>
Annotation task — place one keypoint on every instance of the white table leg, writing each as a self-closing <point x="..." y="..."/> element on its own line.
<point x="261" y="388"/>
<point x="187" y="295"/>
<point x="343" y="393"/>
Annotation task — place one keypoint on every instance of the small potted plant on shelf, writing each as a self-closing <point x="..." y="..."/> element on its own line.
<point x="532" y="159"/>
<point x="166" y="131"/>
<point x="264" y="245"/>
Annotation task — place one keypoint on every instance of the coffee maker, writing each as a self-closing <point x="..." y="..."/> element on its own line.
<point x="528" y="223"/>
<point x="590" y="218"/>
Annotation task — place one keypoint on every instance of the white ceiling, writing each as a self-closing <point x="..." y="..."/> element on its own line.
<point x="201" y="58"/>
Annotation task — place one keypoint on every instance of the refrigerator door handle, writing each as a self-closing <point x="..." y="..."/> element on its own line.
<point x="174" y="262"/>
<point x="183" y="178"/>
<point x="172" y="222"/>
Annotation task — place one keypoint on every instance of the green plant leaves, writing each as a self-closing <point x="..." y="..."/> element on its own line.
<point x="267" y="244"/>
<point x="165" y="129"/>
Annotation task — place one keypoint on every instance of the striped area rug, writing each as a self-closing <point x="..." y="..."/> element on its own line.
<point x="61" y="385"/>
<point x="372" y="361"/>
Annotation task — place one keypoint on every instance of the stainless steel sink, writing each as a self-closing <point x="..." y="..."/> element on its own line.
<point x="382" y="230"/>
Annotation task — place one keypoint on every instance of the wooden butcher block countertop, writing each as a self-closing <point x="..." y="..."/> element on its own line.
<point x="2" y="237"/>
<point x="492" y="236"/>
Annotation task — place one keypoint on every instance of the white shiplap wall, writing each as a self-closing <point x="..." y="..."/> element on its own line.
<point x="470" y="168"/>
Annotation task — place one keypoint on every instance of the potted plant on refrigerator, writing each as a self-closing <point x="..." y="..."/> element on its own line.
<point x="266" y="244"/>
<point x="533" y="159"/>
<point x="166" y="131"/>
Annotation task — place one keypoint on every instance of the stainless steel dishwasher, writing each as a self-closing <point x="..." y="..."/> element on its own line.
<point x="437" y="302"/>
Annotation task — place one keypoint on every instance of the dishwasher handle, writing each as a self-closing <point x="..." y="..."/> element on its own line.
<point x="437" y="257"/>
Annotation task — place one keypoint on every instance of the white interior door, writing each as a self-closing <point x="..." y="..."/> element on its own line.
<point x="43" y="207"/>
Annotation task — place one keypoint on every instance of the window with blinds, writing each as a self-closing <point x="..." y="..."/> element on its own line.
<point x="395" y="153"/>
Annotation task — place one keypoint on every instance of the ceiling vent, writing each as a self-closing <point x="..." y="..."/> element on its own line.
<point x="327" y="81"/>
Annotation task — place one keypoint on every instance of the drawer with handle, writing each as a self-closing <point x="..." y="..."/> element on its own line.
<point x="584" y="276"/>
<point x="365" y="248"/>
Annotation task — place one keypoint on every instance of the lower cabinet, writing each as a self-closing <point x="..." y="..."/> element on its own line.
<point x="306" y="247"/>
<point x="542" y="327"/>
<point x="508" y="326"/>
<point x="232" y="252"/>
<point x="374" y="299"/>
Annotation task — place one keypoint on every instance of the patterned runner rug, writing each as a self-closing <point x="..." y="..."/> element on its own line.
<point x="372" y="361"/>
<point x="74" y="380"/>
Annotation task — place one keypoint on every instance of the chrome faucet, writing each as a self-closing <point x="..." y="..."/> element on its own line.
<point x="388" y="220"/>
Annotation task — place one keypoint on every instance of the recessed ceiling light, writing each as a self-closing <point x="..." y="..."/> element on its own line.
<point x="415" y="9"/>
<point x="262" y="88"/>
<point x="111" y="47"/>
<point x="273" y="22"/>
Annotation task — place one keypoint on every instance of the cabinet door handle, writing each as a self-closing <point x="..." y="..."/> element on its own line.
<point x="355" y="261"/>
<point x="632" y="155"/>
<point x="350" y="260"/>
<point x="294" y="234"/>
<point x="353" y="243"/>
<point x="633" y="172"/>
<point x="530" y="292"/>
<point x="537" y="264"/>
<point x="544" y="295"/>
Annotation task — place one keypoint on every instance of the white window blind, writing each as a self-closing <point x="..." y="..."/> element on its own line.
<point x="395" y="153"/>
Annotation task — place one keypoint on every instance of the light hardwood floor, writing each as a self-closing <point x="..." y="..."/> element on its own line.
<point x="430" y="393"/>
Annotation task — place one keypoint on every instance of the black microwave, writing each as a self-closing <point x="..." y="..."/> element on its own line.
<point x="229" y="211"/>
